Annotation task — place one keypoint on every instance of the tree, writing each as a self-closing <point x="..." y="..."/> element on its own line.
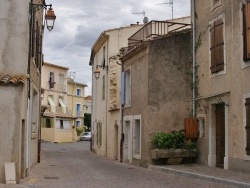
<point x="87" y="121"/>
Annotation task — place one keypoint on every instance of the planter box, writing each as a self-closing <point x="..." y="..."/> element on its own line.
<point x="173" y="156"/>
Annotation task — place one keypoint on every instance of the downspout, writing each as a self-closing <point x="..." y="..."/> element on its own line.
<point x="107" y="99"/>
<point x="194" y="57"/>
<point x="122" y="134"/>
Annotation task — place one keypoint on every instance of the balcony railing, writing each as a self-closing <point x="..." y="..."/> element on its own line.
<point x="56" y="86"/>
<point x="155" y="29"/>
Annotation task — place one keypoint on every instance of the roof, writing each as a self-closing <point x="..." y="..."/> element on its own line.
<point x="76" y="83"/>
<point x="103" y="37"/>
<point x="57" y="66"/>
<point x="15" y="80"/>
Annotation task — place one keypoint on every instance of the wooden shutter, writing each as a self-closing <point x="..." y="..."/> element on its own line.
<point x="247" y="126"/>
<point x="246" y="30"/>
<point x="217" y="46"/>
<point x="191" y="128"/>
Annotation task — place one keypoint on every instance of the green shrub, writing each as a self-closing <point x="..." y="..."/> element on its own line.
<point x="173" y="140"/>
<point x="79" y="130"/>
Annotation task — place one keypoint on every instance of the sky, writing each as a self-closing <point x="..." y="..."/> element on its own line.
<point x="80" y="22"/>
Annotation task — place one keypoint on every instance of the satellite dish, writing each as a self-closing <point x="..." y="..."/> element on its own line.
<point x="145" y="20"/>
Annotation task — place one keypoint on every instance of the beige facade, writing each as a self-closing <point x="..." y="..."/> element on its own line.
<point x="58" y="123"/>
<point x="157" y="80"/>
<point x="106" y="113"/>
<point x="76" y="101"/>
<point x="20" y="78"/>
<point x="222" y="80"/>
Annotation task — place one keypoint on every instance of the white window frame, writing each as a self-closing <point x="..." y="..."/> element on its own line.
<point x="136" y="155"/>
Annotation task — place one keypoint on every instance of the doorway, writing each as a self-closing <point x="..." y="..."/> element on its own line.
<point x="220" y="134"/>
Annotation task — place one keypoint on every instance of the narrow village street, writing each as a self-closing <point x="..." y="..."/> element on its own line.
<point x="72" y="165"/>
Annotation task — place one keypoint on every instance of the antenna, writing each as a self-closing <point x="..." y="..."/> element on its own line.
<point x="171" y="4"/>
<point x="145" y="19"/>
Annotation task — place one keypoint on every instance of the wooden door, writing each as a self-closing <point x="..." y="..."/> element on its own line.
<point x="220" y="134"/>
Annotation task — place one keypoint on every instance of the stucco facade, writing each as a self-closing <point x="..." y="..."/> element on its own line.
<point x="106" y="113"/>
<point x="157" y="73"/>
<point x="58" y="122"/>
<point x="222" y="92"/>
<point x="76" y="101"/>
<point x="20" y="78"/>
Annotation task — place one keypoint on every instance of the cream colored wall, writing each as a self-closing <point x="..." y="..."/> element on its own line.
<point x="233" y="79"/>
<point x="118" y="38"/>
<point x="48" y="134"/>
<point x="65" y="135"/>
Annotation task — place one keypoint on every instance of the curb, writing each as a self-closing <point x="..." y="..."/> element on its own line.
<point x="200" y="176"/>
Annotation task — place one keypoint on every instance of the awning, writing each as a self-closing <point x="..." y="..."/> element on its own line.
<point x="61" y="102"/>
<point x="51" y="102"/>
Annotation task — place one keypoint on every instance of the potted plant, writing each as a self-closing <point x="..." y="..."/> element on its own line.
<point x="172" y="147"/>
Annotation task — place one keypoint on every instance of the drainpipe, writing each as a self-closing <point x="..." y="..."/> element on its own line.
<point x="106" y="97"/>
<point x="194" y="59"/>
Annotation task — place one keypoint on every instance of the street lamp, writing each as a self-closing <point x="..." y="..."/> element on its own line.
<point x="97" y="70"/>
<point x="50" y="18"/>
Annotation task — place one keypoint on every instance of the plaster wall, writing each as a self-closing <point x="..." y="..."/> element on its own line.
<point x="48" y="134"/>
<point x="101" y="113"/>
<point x="161" y="89"/>
<point x="234" y="78"/>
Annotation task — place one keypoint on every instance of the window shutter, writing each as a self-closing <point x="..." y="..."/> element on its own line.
<point x="247" y="126"/>
<point x="217" y="50"/>
<point x="246" y="31"/>
<point x="212" y="49"/>
<point x="122" y="88"/>
<point x="191" y="128"/>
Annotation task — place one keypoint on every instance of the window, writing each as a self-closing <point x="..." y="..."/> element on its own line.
<point x="246" y="30"/>
<point x="247" y="104"/>
<point x="99" y="134"/>
<point x="137" y="137"/>
<point x="217" y="46"/>
<point x="103" y="88"/>
<point x="78" y="109"/>
<point x="61" y="82"/>
<point x="127" y="87"/>
<point x="78" y="92"/>
<point x="48" y="123"/>
<point x="78" y="123"/>
<point x="51" y="80"/>
<point x="103" y="57"/>
<point x="61" y="124"/>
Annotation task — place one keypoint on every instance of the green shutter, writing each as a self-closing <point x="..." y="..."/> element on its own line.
<point x="247" y="126"/>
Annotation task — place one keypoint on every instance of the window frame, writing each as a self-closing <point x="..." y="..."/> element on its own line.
<point x="80" y="92"/>
<point x="245" y="25"/>
<point x="137" y="155"/>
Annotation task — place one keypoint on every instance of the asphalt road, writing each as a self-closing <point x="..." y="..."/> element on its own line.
<point x="72" y="165"/>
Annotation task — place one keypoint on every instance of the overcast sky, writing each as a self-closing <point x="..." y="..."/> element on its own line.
<point x="80" y="22"/>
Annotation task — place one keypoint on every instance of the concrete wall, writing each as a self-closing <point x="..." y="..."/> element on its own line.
<point x="234" y="80"/>
<point x="48" y="134"/>
<point x="161" y="87"/>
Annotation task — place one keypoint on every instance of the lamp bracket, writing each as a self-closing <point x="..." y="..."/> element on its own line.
<point x="103" y="67"/>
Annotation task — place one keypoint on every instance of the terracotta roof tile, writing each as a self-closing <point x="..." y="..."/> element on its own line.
<point x="15" y="80"/>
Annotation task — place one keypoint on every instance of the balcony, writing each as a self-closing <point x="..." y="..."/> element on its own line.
<point x="155" y="29"/>
<point x="56" y="87"/>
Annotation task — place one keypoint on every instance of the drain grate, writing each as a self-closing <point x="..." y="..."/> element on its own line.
<point x="51" y="178"/>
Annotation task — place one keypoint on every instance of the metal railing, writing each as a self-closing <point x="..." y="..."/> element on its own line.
<point x="155" y="29"/>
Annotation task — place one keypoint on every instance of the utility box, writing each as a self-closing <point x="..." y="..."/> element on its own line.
<point x="10" y="173"/>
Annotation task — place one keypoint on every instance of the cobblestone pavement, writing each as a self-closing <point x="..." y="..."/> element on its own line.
<point x="73" y="166"/>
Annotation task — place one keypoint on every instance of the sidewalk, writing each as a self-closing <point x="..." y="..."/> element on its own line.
<point x="227" y="177"/>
